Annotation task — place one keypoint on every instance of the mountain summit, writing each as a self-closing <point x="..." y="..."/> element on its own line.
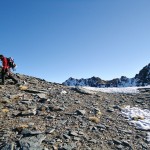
<point x="140" y="79"/>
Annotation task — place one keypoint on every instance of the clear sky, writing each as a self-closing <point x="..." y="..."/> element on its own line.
<point x="58" y="39"/>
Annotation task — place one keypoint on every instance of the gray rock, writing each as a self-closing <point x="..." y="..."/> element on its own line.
<point x="92" y="141"/>
<point x="77" y="102"/>
<point x="117" y="107"/>
<point x="32" y="143"/>
<point x="120" y="147"/>
<point x="28" y="132"/>
<point x="127" y="131"/>
<point x="110" y="110"/>
<point x="84" y="91"/>
<point x="117" y="141"/>
<point x="56" y="108"/>
<point x="73" y="133"/>
<point x="41" y="95"/>
<point x="76" y="138"/>
<point x="26" y="102"/>
<point x="70" y="146"/>
<point x="140" y="101"/>
<point x="80" y="112"/>
<point x="28" y="113"/>
<point x="49" y="131"/>
<point x="125" y="143"/>
<point x="5" y="100"/>
<point x="9" y="146"/>
<point x="66" y="136"/>
<point x="32" y="91"/>
<point x="101" y="126"/>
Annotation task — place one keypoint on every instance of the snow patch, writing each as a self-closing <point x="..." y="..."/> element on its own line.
<point x="138" y="117"/>
<point x="116" y="89"/>
<point x="148" y="137"/>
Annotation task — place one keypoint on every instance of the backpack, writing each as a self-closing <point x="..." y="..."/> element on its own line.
<point x="11" y="62"/>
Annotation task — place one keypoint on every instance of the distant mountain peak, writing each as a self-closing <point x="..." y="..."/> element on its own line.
<point x="140" y="79"/>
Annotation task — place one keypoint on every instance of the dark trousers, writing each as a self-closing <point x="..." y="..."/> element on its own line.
<point x="7" y="73"/>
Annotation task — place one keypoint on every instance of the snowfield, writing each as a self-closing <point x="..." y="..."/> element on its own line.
<point x="138" y="117"/>
<point x="117" y="89"/>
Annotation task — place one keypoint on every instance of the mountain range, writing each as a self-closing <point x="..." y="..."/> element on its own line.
<point x="140" y="79"/>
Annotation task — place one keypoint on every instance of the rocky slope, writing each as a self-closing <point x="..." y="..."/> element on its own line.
<point x="140" y="79"/>
<point x="39" y="115"/>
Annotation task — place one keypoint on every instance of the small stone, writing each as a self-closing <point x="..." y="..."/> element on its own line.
<point x="80" y="112"/>
<point x="101" y="126"/>
<point x="76" y="139"/>
<point x="73" y="133"/>
<point x="77" y="102"/>
<point x="140" y="101"/>
<point x="32" y="142"/>
<point x="117" y="141"/>
<point x="29" y="112"/>
<point x="5" y="101"/>
<point x="81" y="133"/>
<point x="55" y="148"/>
<point x="30" y="124"/>
<point x="125" y="143"/>
<point x="66" y="136"/>
<point x="117" y="107"/>
<point x="110" y="110"/>
<point x="50" y="117"/>
<point x="93" y="141"/>
<point x="120" y="147"/>
<point x="8" y="146"/>
<point x="56" y="108"/>
<point x="41" y="95"/>
<point x="127" y="131"/>
<point x="49" y="131"/>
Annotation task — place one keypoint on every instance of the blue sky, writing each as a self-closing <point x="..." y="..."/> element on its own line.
<point x="58" y="39"/>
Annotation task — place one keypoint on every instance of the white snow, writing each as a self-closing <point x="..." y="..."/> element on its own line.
<point x="138" y="117"/>
<point x="148" y="137"/>
<point x="117" y="89"/>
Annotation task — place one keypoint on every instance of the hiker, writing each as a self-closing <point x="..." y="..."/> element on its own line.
<point x="6" y="70"/>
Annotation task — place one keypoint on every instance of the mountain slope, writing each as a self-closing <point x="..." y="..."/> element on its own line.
<point x="40" y="115"/>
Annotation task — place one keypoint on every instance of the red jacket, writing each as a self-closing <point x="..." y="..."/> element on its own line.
<point x="4" y="63"/>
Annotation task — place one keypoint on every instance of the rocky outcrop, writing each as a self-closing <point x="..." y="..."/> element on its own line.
<point x="40" y="115"/>
<point x="141" y="79"/>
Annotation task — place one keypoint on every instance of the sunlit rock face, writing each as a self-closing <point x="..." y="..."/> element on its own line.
<point x="143" y="78"/>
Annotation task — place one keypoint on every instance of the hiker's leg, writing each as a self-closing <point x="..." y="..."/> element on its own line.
<point x="3" y="76"/>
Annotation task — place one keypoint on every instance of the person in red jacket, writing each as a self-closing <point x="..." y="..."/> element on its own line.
<point x="6" y="70"/>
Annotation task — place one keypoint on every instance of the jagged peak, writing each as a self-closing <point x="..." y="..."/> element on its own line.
<point x="142" y="78"/>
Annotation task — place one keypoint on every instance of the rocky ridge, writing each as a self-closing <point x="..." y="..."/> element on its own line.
<point x="39" y="115"/>
<point x="140" y="79"/>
